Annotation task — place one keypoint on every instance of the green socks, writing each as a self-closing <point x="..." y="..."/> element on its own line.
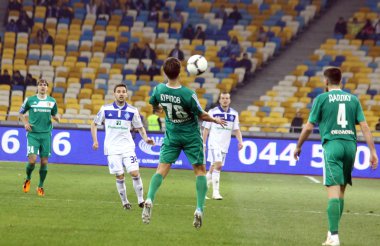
<point x="333" y="214"/>
<point x="341" y="203"/>
<point x="155" y="183"/>
<point x="29" y="170"/>
<point x="43" y="173"/>
<point x="201" y="185"/>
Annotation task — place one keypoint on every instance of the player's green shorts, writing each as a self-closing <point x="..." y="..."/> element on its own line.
<point x="339" y="158"/>
<point x="191" y="144"/>
<point x="39" y="144"/>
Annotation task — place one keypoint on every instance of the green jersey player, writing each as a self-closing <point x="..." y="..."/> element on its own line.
<point x="182" y="110"/>
<point x="41" y="108"/>
<point x="337" y="112"/>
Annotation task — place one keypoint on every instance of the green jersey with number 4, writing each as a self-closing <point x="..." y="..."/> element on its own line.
<point x="181" y="107"/>
<point x="336" y="112"/>
<point x="40" y="112"/>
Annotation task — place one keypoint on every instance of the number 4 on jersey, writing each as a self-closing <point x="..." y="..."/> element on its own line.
<point x="341" y="119"/>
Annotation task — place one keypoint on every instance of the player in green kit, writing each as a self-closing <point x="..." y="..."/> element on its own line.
<point x="337" y="112"/>
<point x="182" y="110"/>
<point x="41" y="109"/>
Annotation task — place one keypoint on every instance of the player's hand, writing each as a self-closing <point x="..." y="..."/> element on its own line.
<point x="149" y="141"/>
<point x="28" y="127"/>
<point x="297" y="153"/>
<point x="374" y="160"/>
<point x="57" y="118"/>
<point x="240" y="146"/>
<point x="95" y="145"/>
<point x="220" y="121"/>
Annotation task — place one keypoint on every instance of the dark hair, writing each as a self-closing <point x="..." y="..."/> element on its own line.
<point x="172" y="67"/>
<point x="42" y="81"/>
<point x="120" y="85"/>
<point x="333" y="75"/>
<point x="223" y="93"/>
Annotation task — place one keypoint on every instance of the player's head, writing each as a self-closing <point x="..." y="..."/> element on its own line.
<point x="120" y="93"/>
<point x="172" y="68"/>
<point x="42" y="86"/>
<point x="333" y="76"/>
<point x="225" y="99"/>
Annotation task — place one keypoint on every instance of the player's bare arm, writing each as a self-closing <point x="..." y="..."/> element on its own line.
<point x="56" y="118"/>
<point x="205" y="135"/>
<point x="206" y="117"/>
<point x="144" y="136"/>
<point x="306" y="131"/>
<point x="27" y="126"/>
<point x="374" y="160"/>
<point x="239" y="137"/>
<point x="94" y="134"/>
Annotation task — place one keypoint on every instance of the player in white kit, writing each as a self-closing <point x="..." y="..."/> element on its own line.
<point x="219" y="139"/>
<point x="119" y="147"/>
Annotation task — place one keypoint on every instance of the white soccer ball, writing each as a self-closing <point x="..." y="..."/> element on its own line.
<point x="196" y="65"/>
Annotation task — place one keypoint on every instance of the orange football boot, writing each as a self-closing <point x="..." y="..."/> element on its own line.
<point x="40" y="191"/>
<point x="26" y="186"/>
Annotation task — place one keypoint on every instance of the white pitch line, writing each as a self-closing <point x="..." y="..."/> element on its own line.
<point x="313" y="179"/>
<point x="212" y="206"/>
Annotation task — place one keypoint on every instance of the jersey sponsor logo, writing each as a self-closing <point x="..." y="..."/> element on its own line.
<point x="43" y="104"/>
<point x="149" y="149"/>
<point x="227" y="117"/>
<point x="42" y="110"/>
<point x="339" y="98"/>
<point x="113" y="115"/>
<point x="342" y="132"/>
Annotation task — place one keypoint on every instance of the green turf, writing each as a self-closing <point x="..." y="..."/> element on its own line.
<point x="81" y="207"/>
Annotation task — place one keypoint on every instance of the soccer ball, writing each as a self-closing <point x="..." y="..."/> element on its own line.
<point x="196" y="65"/>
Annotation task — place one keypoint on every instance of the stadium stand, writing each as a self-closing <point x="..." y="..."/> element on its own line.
<point x="359" y="62"/>
<point x="85" y="54"/>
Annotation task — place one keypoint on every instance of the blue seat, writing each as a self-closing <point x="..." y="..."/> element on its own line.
<point x="84" y="81"/>
<point x="18" y="87"/>
<point x="59" y="90"/>
<point x="200" y="80"/>
<point x="103" y="76"/>
<point x="83" y="59"/>
<point x="128" y="82"/>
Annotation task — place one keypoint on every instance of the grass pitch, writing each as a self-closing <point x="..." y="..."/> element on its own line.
<point x="81" y="207"/>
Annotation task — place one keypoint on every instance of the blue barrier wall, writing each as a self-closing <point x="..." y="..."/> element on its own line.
<point x="258" y="155"/>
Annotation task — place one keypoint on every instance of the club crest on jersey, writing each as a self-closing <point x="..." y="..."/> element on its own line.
<point x="126" y="116"/>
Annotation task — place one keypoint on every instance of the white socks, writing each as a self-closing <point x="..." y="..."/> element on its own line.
<point x="138" y="186"/>
<point x="209" y="179"/>
<point x="120" y="185"/>
<point x="215" y="182"/>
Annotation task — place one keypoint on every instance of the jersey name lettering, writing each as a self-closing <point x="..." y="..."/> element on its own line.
<point x="170" y="98"/>
<point x="339" y="98"/>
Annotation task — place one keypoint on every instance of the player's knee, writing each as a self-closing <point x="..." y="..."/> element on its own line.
<point x="119" y="175"/>
<point x="32" y="159"/>
<point x="134" y="174"/>
<point x="44" y="162"/>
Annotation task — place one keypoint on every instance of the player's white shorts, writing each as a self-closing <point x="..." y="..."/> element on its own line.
<point x="116" y="163"/>
<point x="216" y="155"/>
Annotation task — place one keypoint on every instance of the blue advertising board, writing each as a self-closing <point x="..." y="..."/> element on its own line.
<point x="258" y="155"/>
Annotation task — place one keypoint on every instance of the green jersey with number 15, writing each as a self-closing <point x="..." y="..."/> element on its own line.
<point x="336" y="112"/>
<point x="181" y="107"/>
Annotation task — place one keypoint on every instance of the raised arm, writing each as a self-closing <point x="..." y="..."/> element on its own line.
<point x="369" y="140"/>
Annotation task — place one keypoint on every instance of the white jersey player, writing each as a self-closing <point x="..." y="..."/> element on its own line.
<point x="219" y="139"/>
<point x="119" y="147"/>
